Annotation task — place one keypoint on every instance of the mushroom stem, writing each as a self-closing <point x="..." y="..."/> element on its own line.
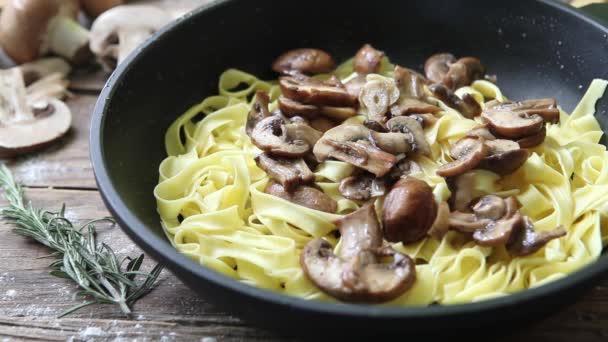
<point x="130" y="40"/>
<point x="68" y="39"/>
<point x="12" y="93"/>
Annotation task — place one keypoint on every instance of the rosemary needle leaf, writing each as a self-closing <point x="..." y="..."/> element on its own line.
<point x="93" y="266"/>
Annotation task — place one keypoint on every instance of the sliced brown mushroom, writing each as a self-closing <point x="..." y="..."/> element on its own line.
<point x="467" y="105"/>
<point x="362" y="187"/>
<point x="358" y="273"/>
<point x="375" y="126"/>
<point x="504" y="157"/>
<point x="441" y="225"/>
<point x="466" y="222"/>
<point x="259" y="111"/>
<point x="338" y="113"/>
<point x="425" y="120"/>
<point x="305" y="60"/>
<point x="481" y="132"/>
<point x="354" y="85"/>
<point x="307" y="90"/>
<point x="490" y="207"/>
<point x="545" y="108"/>
<point x="463" y="192"/>
<point x="348" y="143"/>
<point x="322" y="124"/>
<point x="410" y="83"/>
<point x="272" y="134"/>
<point x="533" y="140"/>
<point x="528" y="241"/>
<point x="498" y="232"/>
<point x="412" y="128"/>
<point x="367" y="60"/>
<point x="377" y="95"/>
<point x="438" y="65"/>
<point x="510" y="124"/>
<point x="407" y="106"/>
<point x="468" y="153"/>
<point x="306" y="196"/>
<point x="404" y="167"/>
<point x="291" y="108"/>
<point x="463" y="72"/>
<point x="25" y="126"/>
<point x="288" y="172"/>
<point x="409" y="211"/>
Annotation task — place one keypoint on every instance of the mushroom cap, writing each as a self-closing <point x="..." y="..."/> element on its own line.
<point x="304" y="60"/>
<point x="23" y="25"/>
<point x="409" y="211"/>
<point x="467" y="105"/>
<point x="410" y="83"/>
<point x="291" y="108"/>
<point x="303" y="195"/>
<point x="24" y="137"/>
<point x="367" y="60"/>
<point x="504" y="157"/>
<point x="468" y="153"/>
<point x="533" y="140"/>
<point x="512" y="125"/>
<point x="463" y="72"/>
<point x="311" y="91"/>
<point x="118" y="22"/>
<point x="438" y="65"/>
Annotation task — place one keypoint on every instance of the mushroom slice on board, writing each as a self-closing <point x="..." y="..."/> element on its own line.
<point x="30" y="29"/>
<point x="511" y="124"/>
<point x="504" y="158"/>
<point x="306" y="196"/>
<point x="413" y="129"/>
<point x="258" y="111"/>
<point x="288" y="172"/>
<point x="272" y="134"/>
<point x="22" y="129"/>
<point x="93" y="8"/>
<point x="528" y="241"/>
<point x="308" y="90"/>
<point x="362" y="187"/>
<point x="409" y="211"/>
<point x="304" y="60"/>
<point x="358" y="273"/>
<point x="467" y="105"/>
<point x="367" y="60"/>
<point x="120" y="30"/>
<point x="468" y="153"/>
<point x="354" y="85"/>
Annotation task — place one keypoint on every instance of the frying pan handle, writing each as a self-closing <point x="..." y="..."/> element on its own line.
<point x="598" y="11"/>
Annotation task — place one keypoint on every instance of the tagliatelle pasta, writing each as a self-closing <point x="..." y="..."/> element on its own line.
<point x="213" y="207"/>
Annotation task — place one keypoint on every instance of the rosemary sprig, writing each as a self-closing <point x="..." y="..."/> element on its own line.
<point x="81" y="258"/>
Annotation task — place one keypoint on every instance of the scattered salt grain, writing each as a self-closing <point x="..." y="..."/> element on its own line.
<point x="11" y="293"/>
<point x="91" y="331"/>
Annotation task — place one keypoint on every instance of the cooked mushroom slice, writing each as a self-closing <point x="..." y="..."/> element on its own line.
<point x="354" y="85"/>
<point x="463" y="192"/>
<point x="490" y="207"/>
<point x="481" y="132"/>
<point x="259" y="111"/>
<point x="306" y="196"/>
<point x="322" y="124"/>
<point x="407" y="106"/>
<point x="468" y="153"/>
<point x="404" y="167"/>
<point x="338" y="113"/>
<point x="22" y="130"/>
<point x="394" y="143"/>
<point x="545" y="108"/>
<point x="367" y="60"/>
<point x="362" y="187"/>
<point x="467" y="106"/>
<point x="528" y="241"/>
<point x="504" y="157"/>
<point x="377" y="95"/>
<point x="438" y="65"/>
<point x="348" y="143"/>
<point x="409" y="211"/>
<point x="466" y="222"/>
<point x="120" y="30"/>
<point x="463" y="72"/>
<point x="291" y="108"/>
<point x="307" y="61"/>
<point x="498" y="232"/>
<point x="93" y="8"/>
<point x="310" y="91"/>
<point x="273" y="135"/>
<point x="425" y="120"/>
<point x="357" y="273"/>
<point x="413" y="129"/>
<point x="30" y="29"/>
<point x="512" y="124"/>
<point x="441" y="225"/>
<point x="375" y="126"/>
<point x="409" y="83"/>
<point x="533" y="140"/>
<point x="287" y="171"/>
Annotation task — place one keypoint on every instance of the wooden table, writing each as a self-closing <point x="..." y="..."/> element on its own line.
<point x="30" y="299"/>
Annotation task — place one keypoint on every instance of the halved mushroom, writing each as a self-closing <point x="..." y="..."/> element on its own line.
<point x="468" y="153"/>
<point x="120" y="30"/>
<point x="504" y="157"/>
<point x="348" y="143"/>
<point x="467" y="105"/>
<point x="306" y="196"/>
<point x="362" y="187"/>
<point x="510" y="124"/>
<point x="409" y="211"/>
<point x="273" y="135"/>
<point x="410" y="83"/>
<point x="288" y="172"/>
<point x="367" y="60"/>
<point x="545" y="108"/>
<point x="437" y="66"/>
<point x="528" y="241"/>
<point x="358" y="273"/>
<point x="463" y="191"/>
<point x="412" y="128"/>
<point x="463" y="72"/>
<point x="441" y="225"/>
<point x="259" y="111"/>
<point x="311" y="91"/>
<point x="305" y="60"/>
<point x="533" y="140"/>
<point x="25" y="127"/>
<point x="377" y="95"/>
<point x="407" y="106"/>
<point x="30" y="29"/>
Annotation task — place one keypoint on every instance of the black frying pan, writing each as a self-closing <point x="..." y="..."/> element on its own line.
<point x="537" y="49"/>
